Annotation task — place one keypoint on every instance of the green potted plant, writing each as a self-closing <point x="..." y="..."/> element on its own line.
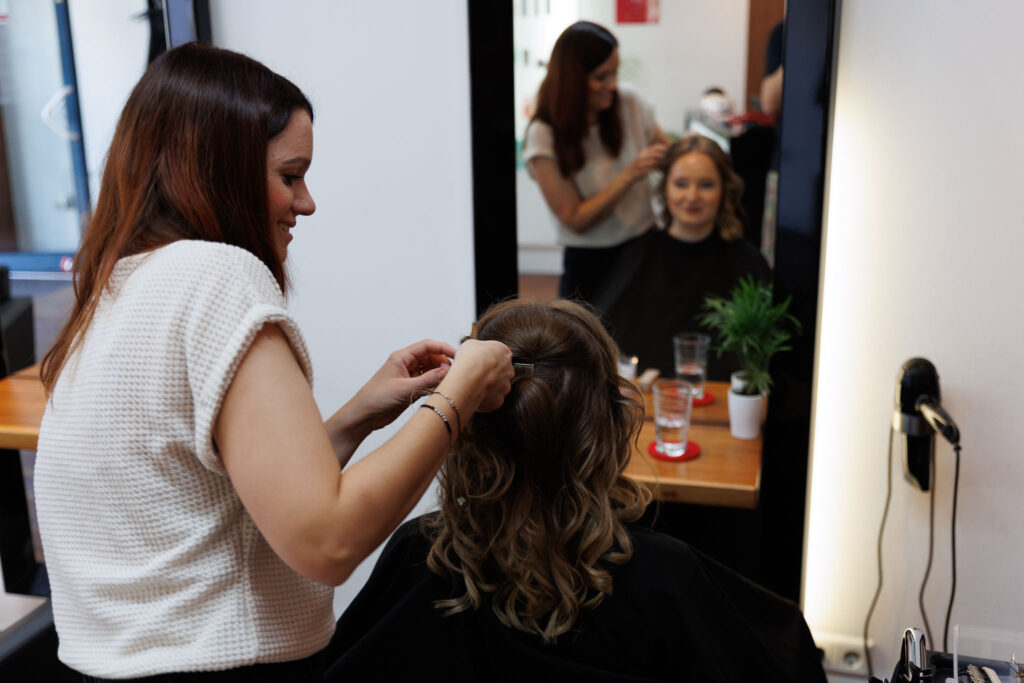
<point x="751" y="326"/>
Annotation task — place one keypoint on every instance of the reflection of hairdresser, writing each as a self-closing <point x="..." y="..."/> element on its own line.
<point x="534" y="568"/>
<point x="191" y="501"/>
<point x="590" y="147"/>
<point x="657" y="286"/>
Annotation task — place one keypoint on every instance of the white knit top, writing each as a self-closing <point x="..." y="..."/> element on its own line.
<point x="154" y="563"/>
<point x="632" y="214"/>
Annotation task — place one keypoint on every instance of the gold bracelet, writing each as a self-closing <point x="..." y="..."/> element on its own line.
<point x="447" y="425"/>
<point x="451" y="402"/>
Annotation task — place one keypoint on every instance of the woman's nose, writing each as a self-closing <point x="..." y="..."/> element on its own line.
<point x="304" y="204"/>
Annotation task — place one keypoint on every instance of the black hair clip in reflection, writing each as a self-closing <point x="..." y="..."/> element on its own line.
<point x="522" y="370"/>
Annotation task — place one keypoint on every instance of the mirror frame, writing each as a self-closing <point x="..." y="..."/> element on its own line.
<point x="811" y="27"/>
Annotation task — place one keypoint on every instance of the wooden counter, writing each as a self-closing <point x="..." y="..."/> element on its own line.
<point x="22" y="402"/>
<point x="727" y="472"/>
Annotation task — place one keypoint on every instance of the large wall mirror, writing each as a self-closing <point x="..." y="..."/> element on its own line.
<point x="708" y="52"/>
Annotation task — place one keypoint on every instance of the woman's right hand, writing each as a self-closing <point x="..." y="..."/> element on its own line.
<point x="481" y="375"/>
<point x="579" y="214"/>
<point x="648" y="160"/>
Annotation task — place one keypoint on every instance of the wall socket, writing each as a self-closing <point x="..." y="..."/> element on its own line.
<point x="843" y="654"/>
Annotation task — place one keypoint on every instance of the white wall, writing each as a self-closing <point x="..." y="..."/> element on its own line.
<point x="923" y="254"/>
<point x="387" y="258"/>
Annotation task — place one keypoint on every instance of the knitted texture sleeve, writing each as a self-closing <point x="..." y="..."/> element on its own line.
<point x="221" y="321"/>
<point x="538" y="143"/>
<point x="154" y="563"/>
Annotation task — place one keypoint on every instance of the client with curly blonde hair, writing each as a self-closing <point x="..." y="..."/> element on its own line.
<point x="533" y="498"/>
<point x="535" y="564"/>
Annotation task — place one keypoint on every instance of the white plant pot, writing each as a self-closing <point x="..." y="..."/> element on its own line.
<point x="738" y="381"/>
<point x="746" y="412"/>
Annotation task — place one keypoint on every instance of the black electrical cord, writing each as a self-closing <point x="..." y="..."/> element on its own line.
<point x="881" y="528"/>
<point x="952" y="527"/>
<point x="931" y="554"/>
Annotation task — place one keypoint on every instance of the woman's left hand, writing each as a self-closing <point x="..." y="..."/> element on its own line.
<point x="407" y="375"/>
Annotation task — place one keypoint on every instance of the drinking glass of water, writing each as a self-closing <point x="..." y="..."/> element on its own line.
<point x="673" y="399"/>
<point x="691" y="350"/>
<point x="627" y="366"/>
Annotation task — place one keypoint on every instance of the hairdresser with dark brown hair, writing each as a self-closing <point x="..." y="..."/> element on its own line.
<point x="536" y="568"/>
<point x="590" y="147"/>
<point x="191" y="502"/>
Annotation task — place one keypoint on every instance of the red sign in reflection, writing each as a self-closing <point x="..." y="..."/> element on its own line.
<point x="637" y="11"/>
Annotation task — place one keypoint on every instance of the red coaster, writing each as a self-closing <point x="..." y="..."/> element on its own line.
<point x="691" y="452"/>
<point x="707" y="400"/>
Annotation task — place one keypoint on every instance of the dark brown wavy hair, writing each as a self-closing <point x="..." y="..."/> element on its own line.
<point x="533" y="497"/>
<point x="188" y="160"/>
<point x="562" y="97"/>
<point x="729" y="217"/>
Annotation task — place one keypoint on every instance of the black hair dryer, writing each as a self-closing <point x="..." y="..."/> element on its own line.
<point x="917" y="418"/>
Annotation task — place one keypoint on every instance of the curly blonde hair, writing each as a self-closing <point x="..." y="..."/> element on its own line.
<point x="533" y="498"/>
<point x="728" y="219"/>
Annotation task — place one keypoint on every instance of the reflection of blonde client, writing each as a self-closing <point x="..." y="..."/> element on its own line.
<point x="534" y="564"/>
<point x="590" y="146"/>
<point x="657" y="285"/>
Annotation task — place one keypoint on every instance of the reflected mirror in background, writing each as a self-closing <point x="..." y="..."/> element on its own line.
<point x="66" y="69"/>
<point x="684" y="48"/>
<point x="41" y="159"/>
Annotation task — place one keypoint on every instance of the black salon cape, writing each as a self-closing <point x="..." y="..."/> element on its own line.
<point x="656" y="289"/>
<point x="675" y="615"/>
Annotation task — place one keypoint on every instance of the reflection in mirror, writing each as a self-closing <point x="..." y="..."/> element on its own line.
<point x="656" y="287"/>
<point x="42" y="175"/>
<point x="766" y="543"/>
<point x="695" y="66"/>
